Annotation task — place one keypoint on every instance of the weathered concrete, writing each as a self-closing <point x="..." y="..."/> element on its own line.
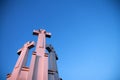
<point x="18" y="69"/>
<point x="41" y="63"/>
<point x="43" y="66"/>
<point x="52" y="70"/>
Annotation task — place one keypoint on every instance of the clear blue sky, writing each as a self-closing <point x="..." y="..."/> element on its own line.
<point x="85" y="34"/>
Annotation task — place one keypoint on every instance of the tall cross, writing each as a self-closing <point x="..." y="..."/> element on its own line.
<point x="21" y="62"/>
<point x="53" y="71"/>
<point x="39" y="71"/>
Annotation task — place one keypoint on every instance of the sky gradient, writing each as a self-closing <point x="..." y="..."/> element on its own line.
<point x="85" y="35"/>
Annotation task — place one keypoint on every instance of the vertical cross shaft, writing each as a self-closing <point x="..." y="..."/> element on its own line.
<point x="53" y="72"/>
<point x="41" y="62"/>
<point x="23" y="52"/>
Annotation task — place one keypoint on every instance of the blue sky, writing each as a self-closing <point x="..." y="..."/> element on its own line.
<point x="85" y="35"/>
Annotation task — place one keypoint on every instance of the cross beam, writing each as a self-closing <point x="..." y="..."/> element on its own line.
<point x="29" y="45"/>
<point x="36" y="32"/>
<point x="50" y="48"/>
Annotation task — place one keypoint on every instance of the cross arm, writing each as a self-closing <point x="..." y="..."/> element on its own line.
<point x="50" y="48"/>
<point x="29" y="45"/>
<point x="36" y="32"/>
